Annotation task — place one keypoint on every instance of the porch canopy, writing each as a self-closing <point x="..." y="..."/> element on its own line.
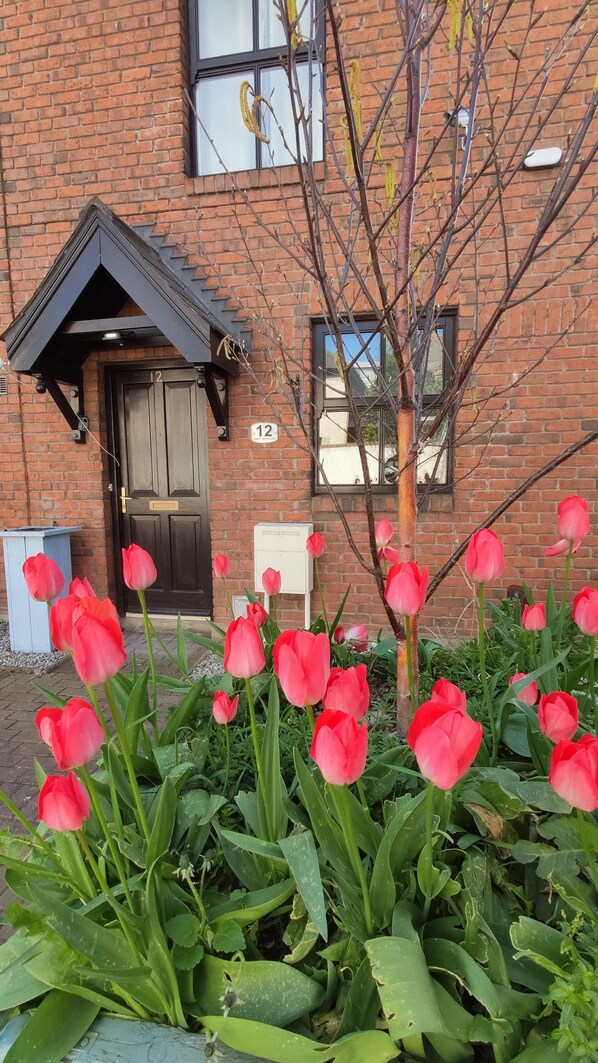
<point x="76" y="309"/>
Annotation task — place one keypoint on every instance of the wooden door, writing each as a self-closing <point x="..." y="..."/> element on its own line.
<point x="161" y="485"/>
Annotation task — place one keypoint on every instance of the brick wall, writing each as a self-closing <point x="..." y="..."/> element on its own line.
<point x="92" y="94"/>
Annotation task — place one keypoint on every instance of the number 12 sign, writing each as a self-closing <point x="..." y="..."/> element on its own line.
<point x="264" y="432"/>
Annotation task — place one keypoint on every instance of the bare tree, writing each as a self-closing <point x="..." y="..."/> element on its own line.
<point x="412" y="196"/>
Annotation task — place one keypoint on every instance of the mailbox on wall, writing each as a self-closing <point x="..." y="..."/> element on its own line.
<point x="282" y="547"/>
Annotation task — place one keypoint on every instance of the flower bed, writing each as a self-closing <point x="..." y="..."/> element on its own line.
<point x="274" y="866"/>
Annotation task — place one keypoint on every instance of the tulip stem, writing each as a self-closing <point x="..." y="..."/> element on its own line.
<point x="97" y="707"/>
<point x="91" y="789"/>
<point x="228" y="598"/>
<point x="410" y="663"/>
<point x="429" y="838"/>
<point x="258" y="757"/>
<point x="122" y="738"/>
<point x="152" y="660"/>
<point x="339" y="797"/>
<point x="227" y="772"/>
<point x="273" y="609"/>
<point x="321" y="594"/>
<point x="310" y="715"/>
<point x="592" y="641"/>
<point x="483" y="675"/>
<point x="166" y="651"/>
<point x="568" y="560"/>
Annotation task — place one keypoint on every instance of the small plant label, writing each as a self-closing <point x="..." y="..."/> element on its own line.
<point x="264" y="432"/>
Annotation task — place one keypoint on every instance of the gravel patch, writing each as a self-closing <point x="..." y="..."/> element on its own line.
<point x="37" y="663"/>
<point x="211" y="664"/>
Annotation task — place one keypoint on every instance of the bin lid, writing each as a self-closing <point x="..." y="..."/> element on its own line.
<point x="38" y="530"/>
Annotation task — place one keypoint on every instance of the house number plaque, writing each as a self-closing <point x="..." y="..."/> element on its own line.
<point x="264" y="432"/>
<point x="157" y="505"/>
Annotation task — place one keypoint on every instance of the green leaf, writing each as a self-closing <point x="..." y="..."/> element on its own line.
<point x="55" y="1027"/>
<point x="186" y="959"/>
<point x="161" y="821"/>
<point x="181" y="649"/>
<point x="450" y="958"/>
<point x="137" y="710"/>
<point x="184" y="929"/>
<point x="270" y="851"/>
<point x="188" y="707"/>
<point x="255" y="905"/>
<point x="540" y="943"/>
<point x="17" y="985"/>
<point x="546" y="1052"/>
<point x="268" y="992"/>
<point x="273" y="780"/>
<point x="405" y="830"/>
<point x="282" y="1046"/>
<point x="299" y="851"/>
<point x="325" y="829"/>
<point x="104" y="948"/>
<point x="230" y="938"/>
<point x="405" y="986"/>
<point x="362" y="1004"/>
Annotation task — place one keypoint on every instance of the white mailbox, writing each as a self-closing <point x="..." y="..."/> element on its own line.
<point x="282" y="547"/>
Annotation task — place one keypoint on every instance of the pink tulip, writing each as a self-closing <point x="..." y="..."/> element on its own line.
<point x="81" y="588"/>
<point x="406" y="587"/>
<point x="357" y="637"/>
<point x="139" y="571"/>
<point x="315" y="545"/>
<point x="338" y="635"/>
<point x="347" y="690"/>
<point x="61" y="622"/>
<point x="585" y="611"/>
<point x="302" y="664"/>
<point x="256" y="613"/>
<point x="243" y="650"/>
<point x="384" y="533"/>
<point x="445" y="741"/>
<point x="43" y="578"/>
<point x="63" y="803"/>
<point x="271" y="582"/>
<point x="221" y="565"/>
<point x="224" y="708"/>
<point x="485" y="557"/>
<point x="98" y="646"/>
<point x="574" y="772"/>
<point x="73" y="733"/>
<point x="444" y="690"/>
<point x="558" y="715"/>
<point x="389" y="554"/>
<point x="529" y="694"/>
<point x="573" y="524"/>
<point x="533" y="617"/>
<point x="339" y="747"/>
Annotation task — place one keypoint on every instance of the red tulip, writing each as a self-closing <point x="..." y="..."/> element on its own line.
<point x="533" y="617"/>
<point x="73" y="733"/>
<point x="81" y="588"/>
<point x="384" y="533"/>
<point x="406" y="587"/>
<point x="574" y="772"/>
<point x="445" y="741"/>
<point x="63" y="802"/>
<point x="243" y="650"/>
<point x="485" y="557"/>
<point x="302" y="664"/>
<point x="347" y="690"/>
<point x="256" y="613"/>
<point x="558" y="715"/>
<point x="444" y="690"/>
<point x="316" y="545"/>
<point x="529" y="693"/>
<point x="573" y="524"/>
<point x="338" y="635"/>
<point x="585" y="611"/>
<point x="43" y="578"/>
<point x="224" y="708"/>
<point x="339" y="747"/>
<point x="221" y="565"/>
<point x="139" y="571"/>
<point x="271" y="581"/>
<point x="61" y="622"/>
<point x="98" y="646"/>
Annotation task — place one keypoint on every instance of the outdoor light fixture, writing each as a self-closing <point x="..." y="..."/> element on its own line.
<point x="112" y="336"/>
<point x="542" y="158"/>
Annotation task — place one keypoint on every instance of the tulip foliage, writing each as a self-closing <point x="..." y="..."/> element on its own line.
<point x="265" y="859"/>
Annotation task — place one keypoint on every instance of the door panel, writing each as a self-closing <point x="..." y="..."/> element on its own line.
<point x="161" y="430"/>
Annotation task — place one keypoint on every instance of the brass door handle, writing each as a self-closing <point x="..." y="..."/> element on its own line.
<point x="124" y="498"/>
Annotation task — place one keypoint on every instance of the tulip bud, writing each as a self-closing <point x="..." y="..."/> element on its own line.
<point x="63" y="802"/>
<point x="339" y="747"/>
<point x="43" y="578"/>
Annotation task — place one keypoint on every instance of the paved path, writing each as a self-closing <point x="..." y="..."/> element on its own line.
<point x="19" y="739"/>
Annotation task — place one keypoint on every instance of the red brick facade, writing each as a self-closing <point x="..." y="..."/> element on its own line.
<point x="93" y="104"/>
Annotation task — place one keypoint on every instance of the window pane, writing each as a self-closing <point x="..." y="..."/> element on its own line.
<point x="338" y="450"/>
<point x="431" y="468"/>
<point x="434" y="370"/>
<point x="274" y="86"/>
<point x="225" y="27"/>
<point x="271" y="33"/>
<point x="218" y="105"/>
<point x="364" y="373"/>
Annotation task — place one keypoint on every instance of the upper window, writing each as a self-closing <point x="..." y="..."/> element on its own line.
<point x="239" y="52"/>
<point x="372" y="374"/>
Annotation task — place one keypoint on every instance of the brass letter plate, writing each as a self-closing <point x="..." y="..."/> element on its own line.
<point x="163" y="506"/>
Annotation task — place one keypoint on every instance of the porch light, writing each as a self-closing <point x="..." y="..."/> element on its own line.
<point x="112" y="336"/>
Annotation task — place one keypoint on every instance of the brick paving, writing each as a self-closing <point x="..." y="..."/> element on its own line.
<point x="20" y="744"/>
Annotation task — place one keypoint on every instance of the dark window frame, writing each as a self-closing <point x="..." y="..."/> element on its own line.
<point x="448" y="318"/>
<point x="256" y="61"/>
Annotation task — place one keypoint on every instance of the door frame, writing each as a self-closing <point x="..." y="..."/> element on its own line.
<point x="111" y="371"/>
